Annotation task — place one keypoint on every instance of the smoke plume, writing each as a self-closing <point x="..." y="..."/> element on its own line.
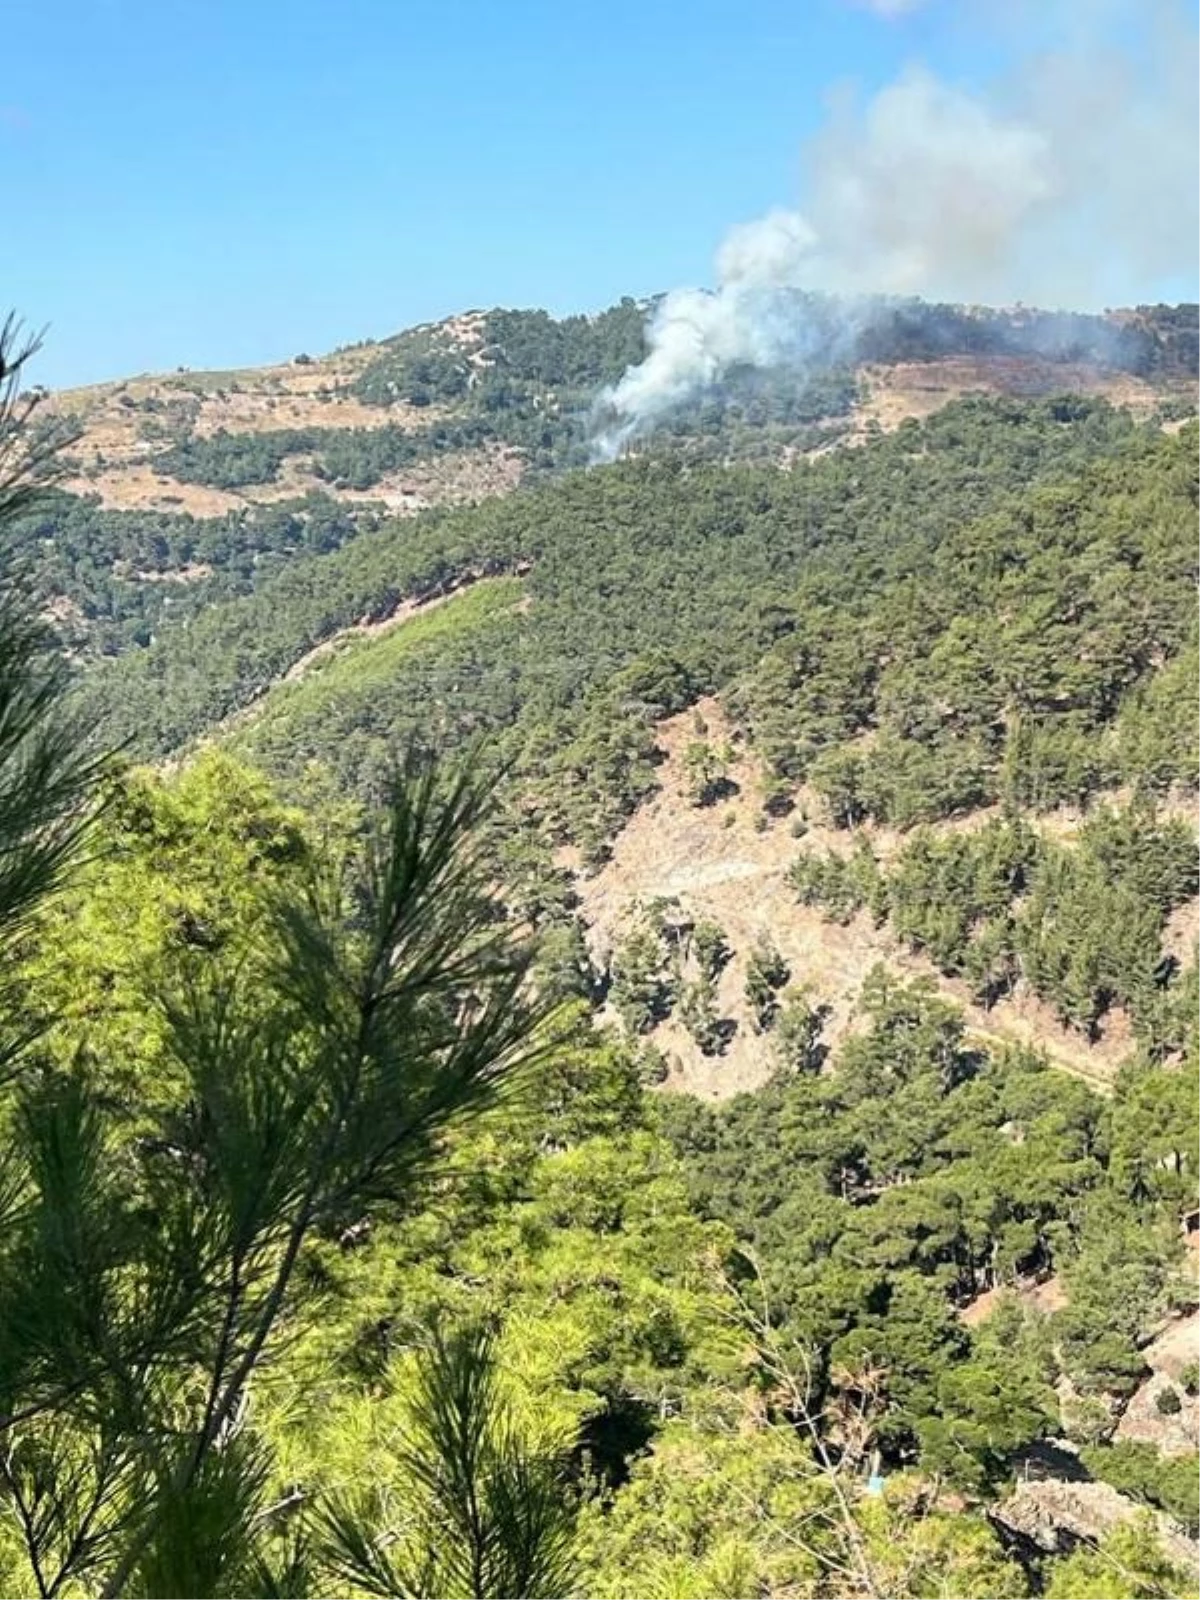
<point x="1074" y="186"/>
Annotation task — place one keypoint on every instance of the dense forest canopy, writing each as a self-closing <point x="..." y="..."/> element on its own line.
<point x="637" y="556"/>
<point x="504" y="384"/>
<point x="347" y="1233"/>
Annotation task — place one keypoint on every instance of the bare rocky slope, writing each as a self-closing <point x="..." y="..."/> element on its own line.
<point x="124" y="431"/>
<point x="725" y="862"/>
<point x="188" y="442"/>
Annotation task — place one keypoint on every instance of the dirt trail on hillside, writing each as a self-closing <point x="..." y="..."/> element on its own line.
<point x="406" y="611"/>
<point x="370" y="628"/>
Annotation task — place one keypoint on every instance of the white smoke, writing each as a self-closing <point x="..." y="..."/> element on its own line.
<point x="1075" y="188"/>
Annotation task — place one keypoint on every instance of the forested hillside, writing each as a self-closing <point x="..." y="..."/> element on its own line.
<point x="188" y="487"/>
<point x="740" y="1139"/>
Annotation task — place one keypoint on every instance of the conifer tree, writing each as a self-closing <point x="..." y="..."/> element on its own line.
<point x="147" y="1276"/>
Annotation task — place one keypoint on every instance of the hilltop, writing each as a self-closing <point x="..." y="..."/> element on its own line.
<point x="186" y="441"/>
<point x="182" y="488"/>
<point x="461" y="408"/>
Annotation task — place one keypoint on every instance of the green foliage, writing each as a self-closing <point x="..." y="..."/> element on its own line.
<point x="883" y="1196"/>
<point x="1018" y="660"/>
<point x="700" y="1015"/>
<point x="564" y="968"/>
<point x="242" y="1181"/>
<point x="841" y="885"/>
<point x="1120" y="1277"/>
<point x="532" y="381"/>
<point x="710" y="948"/>
<point x="114" y="578"/>
<point x="712" y="1515"/>
<point x="669" y="964"/>
<point x="1167" y="1402"/>
<point x="644" y="979"/>
<point x="706" y="772"/>
<point x="784" y="589"/>
<point x="766" y="974"/>
<point x="1140" y="1471"/>
<point x="1090" y="935"/>
<point x="797" y="1038"/>
<point x="406" y="676"/>
<point x="179" y="889"/>
<point x="1082" y="924"/>
<point x="520" y="357"/>
<point x="752" y="1512"/>
<point x="1129" y="1564"/>
<point x="145" y="1273"/>
<point x="46" y="776"/>
<point x="417" y="367"/>
<point x="953" y="897"/>
<point x="347" y="458"/>
<point x="479" y="1511"/>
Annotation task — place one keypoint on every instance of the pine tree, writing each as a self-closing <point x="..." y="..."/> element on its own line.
<point x="146" y="1277"/>
<point x="766" y="974"/>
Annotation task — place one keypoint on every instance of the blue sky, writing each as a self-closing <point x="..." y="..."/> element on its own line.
<point x="226" y="182"/>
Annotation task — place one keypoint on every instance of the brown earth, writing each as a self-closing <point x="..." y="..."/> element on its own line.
<point x="919" y="388"/>
<point x="1045" y="1297"/>
<point x="454" y="478"/>
<point x="719" y="864"/>
<point x="126" y="425"/>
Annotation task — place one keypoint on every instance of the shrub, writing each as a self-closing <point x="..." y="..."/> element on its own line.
<point x="1167" y="1402"/>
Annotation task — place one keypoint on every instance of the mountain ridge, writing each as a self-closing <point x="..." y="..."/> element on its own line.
<point x="125" y="428"/>
<point x="321" y="623"/>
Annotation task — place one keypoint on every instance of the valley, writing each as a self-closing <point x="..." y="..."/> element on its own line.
<point x="801" y="808"/>
<point x="600" y="801"/>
